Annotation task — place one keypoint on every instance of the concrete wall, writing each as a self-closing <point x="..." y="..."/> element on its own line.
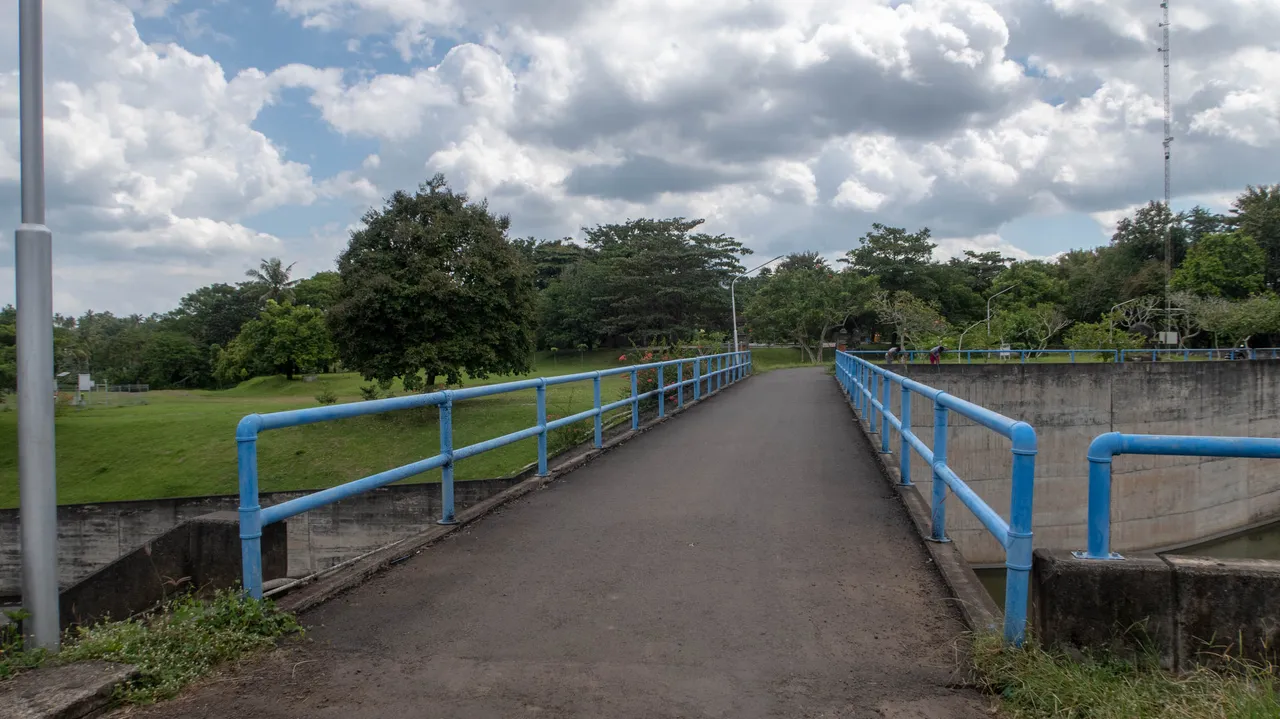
<point x="1189" y="610"/>
<point x="90" y="536"/>
<point x="1157" y="501"/>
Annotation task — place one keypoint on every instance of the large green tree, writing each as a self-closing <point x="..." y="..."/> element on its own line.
<point x="550" y="258"/>
<point x="284" y="339"/>
<point x="431" y="287"/>
<point x="806" y="304"/>
<point x="1256" y="213"/>
<point x="1226" y="264"/>
<point x="319" y="290"/>
<point x="899" y="259"/>
<point x="658" y="279"/>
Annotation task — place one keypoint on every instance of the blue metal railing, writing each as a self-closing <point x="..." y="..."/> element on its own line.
<point x="1022" y="355"/>
<point x="868" y="387"/>
<point x="709" y="374"/>
<point x="1111" y="444"/>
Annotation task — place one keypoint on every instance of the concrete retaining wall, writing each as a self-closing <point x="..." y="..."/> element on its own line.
<point x="1157" y="501"/>
<point x="1189" y="610"/>
<point x="90" y="536"/>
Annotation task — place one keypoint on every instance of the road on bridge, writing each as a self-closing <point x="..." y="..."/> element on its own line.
<point x="743" y="560"/>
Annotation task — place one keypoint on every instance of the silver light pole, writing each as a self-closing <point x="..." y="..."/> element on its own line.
<point x="992" y="297"/>
<point x="733" y="302"/>
<point x="34" y="266"/>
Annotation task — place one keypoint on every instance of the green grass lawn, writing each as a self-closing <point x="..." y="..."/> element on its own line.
<point x="182" y="443"/>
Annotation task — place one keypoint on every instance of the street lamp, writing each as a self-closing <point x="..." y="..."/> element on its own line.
<point x="992" y="297"/>
<point x="733" y="302"/>
<point x="33" y="265"/>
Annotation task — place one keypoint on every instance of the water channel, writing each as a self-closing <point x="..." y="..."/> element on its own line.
<point x="1262" y="542"/>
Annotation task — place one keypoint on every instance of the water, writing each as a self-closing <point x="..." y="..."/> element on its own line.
<point x="1257" y="543"/>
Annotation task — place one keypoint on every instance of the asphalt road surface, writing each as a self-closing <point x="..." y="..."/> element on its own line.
<point x="742" y="560"/>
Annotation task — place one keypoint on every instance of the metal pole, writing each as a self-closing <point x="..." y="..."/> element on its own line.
<point x="446" y="472"/>
<point x="992" y="297"/>
<point x="733" y="302"/>
<point x="34" y="268"/>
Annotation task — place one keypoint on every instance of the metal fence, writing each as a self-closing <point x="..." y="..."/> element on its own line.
<point x="868" y="387"/>
<point x="706" y="375"/>
<point x="1069" y="355"/>
<point x="1106" y="446"/>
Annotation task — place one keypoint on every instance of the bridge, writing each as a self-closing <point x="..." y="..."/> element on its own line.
<point x="746" y="559"/>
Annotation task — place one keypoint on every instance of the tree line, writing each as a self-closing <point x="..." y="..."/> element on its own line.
<point x="431" y="288"/>
<point x="1225" y="275"/>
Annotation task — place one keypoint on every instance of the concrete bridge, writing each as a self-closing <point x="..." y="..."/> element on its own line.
<point x="747" y="559"/>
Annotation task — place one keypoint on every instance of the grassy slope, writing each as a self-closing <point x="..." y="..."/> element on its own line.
<point x="182" y="443"/>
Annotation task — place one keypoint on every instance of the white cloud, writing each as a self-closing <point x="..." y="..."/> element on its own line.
<point x="791" y="124"/>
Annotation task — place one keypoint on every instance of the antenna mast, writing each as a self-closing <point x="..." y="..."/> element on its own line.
<point x="1168" y="140"/>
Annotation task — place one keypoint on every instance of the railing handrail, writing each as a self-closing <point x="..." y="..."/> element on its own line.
<point x="1106" y="446"/>
<point x="722" y="369"/>
<point x="1014" y="535"/>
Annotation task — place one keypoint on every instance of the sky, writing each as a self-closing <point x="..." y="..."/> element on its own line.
<point x="187" y="139"/>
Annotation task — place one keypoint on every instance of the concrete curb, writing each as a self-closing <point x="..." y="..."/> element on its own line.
<point x="976" y="606"/>
<point x="72" y="691"/>
<point x="305" y="595"/>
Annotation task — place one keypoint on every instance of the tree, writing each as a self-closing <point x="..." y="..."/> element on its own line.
<point x="8" y="348"/>
<point x="894" y="256"/>
<point x="914" y="321"/>
<point x="802" y="261"/>
<point x="1228" y="264"/>
<point x="285" y="339"/>
<point x="214" y="314"/>
<point x="1030" y="283"/>
<point x="1141" y="238"/>
<point x="173" y="359"/>
<point x="273" y="278"/>
<point x="431" y="287"/>
<point x="804" y="305"/>
<point x="658" y="279"/>
<point x="1237" y="322"/>
<point x="1099" y="335"/>
<point x="550" y="258"/>
<point x="1256" y="213"/>
<point x="1033" y="327"/>
<point x="319" y="290"/>
<point x="568" y="313"/>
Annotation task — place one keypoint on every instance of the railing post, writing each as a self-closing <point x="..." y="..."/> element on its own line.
<point x="904" y="455"/>
<point x="1018" y="555"/>
<point x="599" y="413"/>
<point x="719" y="372"/>
<point x="250" y="511"/>
<point x="635" y="401"/>
<point x="1073" y="356"/>
<point x="662" y="393"/>
<point x="1099" y="512"/>
<point x="884" y="414"/>
<point x="697" y="379"/>
<point x="938" y="532"/>
<point x="871" y="402"/>
<point x="446" y="472"/>
<point x="542" y="423"/>
<point x="680" y="383"/>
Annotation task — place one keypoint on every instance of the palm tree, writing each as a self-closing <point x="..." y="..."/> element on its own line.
<point x="274" y="278"/>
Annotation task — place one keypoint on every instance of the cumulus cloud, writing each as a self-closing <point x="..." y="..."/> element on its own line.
<point x="791" y="124"/>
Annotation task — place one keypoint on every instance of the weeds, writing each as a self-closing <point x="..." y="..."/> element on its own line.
<point x="326" y="396"/>
<point x="1035" y="683"/>
<point x="182" y="642"/>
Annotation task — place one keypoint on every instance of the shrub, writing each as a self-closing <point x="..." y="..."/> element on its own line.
<point x="326" y="396"/>
<point x="370" y="392"/>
